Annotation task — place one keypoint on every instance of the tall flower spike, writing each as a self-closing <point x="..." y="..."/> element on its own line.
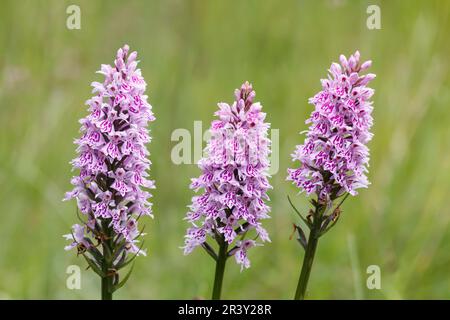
<point x="234" y="181"/>
<point x="113" y="163"/>
<point x="334" y="156"/>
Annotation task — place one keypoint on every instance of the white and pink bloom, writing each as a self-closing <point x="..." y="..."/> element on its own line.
<point x="334" y="157"/>
<point x="113" y="158"/>
<point x="234" y="179"/>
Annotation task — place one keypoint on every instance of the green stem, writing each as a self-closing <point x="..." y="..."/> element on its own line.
<point x="107" y="280"/>
<point x="220" y="269"/>
<point x="308" y="258"/>
<point x="107" y="288"/>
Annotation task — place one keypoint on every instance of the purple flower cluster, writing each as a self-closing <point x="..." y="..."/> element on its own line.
<point x="234" y="178"/>
<point x="112" y="157"/>
<point x="334" y="157"/>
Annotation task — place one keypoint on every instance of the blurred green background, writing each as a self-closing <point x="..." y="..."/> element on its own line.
<point x="194" y="54"/>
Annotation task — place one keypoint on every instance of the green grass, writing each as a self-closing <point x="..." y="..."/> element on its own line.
<point x="194" y="53"/>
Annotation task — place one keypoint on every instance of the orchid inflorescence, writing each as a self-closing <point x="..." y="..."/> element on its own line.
<point x="113" y="162"/>
<point x="334" y="156"/>
<point x="234" y="181"/>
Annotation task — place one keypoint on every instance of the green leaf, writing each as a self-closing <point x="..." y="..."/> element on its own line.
<point x="308" y="224"/>
<point x="94" y="266"/>
<point x="96" y="254"/>
<point x="122" y="259"/>
<point x="314" y="202"/>
<point x="124" y="264"/>
<point x="330" y="226"/>
<point x="301" y="237"/>
<point x="118" y="251"/>
<point x="124" y="280"/>
<point x="333" y="218"/>
<point x="209" y="250"/>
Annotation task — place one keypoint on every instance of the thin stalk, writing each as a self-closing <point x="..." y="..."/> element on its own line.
<point x="309" y="257"/>
<point x="107" y="280"/>
<point x="220" y="269"/>
<point x="107" y="283"/>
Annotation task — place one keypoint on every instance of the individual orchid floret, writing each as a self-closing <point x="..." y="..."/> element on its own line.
<point x="234" y="181"/>
<point x="111" y="187"/>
